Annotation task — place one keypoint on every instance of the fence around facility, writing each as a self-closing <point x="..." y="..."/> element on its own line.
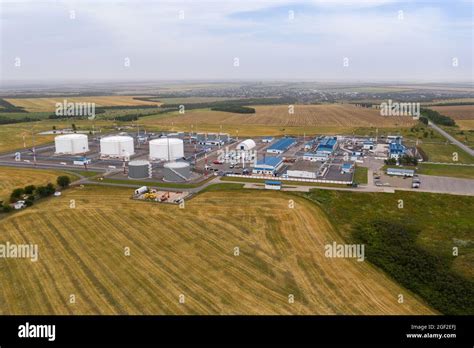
<point x="270" y="177"/>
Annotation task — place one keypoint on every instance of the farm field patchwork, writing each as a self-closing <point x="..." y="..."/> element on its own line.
<point x="310" y="117"/>
<point x="49" y="104"/>
<point x="187" y="252"/>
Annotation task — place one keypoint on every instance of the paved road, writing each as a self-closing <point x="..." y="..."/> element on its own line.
<point x="451" y="138"/>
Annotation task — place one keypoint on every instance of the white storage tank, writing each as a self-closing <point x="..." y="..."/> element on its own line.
<point x="177" y="172"/>
<point x="71" y="144"/>
<point x="166" y="149"/>
<point x="118" y="146"/>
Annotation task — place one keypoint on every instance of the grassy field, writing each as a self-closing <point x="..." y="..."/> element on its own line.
<point x="437" y="222"/>
<point x="456" y="112"/>
<point x="49" y="104"/>
<point x="275" y="119"/>
<point x="187" y="251"/>
<point x="11" y="136"/>
<point x="11" y="178"/>
<point x="360" y="175"/>
<point x="466" y="172"/>
<point x="442" y="152"/>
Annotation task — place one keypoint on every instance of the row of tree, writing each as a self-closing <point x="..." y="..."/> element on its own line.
<point x="436" y="117"/>
<point x="404" y="160"/>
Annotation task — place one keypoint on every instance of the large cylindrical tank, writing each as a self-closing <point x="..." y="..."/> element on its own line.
<point x="71" y="144"/>
<point x="176" y="171"/>
<point x="167" y="149"/>
<point x="117" y="146"/>
<point x="139" y="169"/>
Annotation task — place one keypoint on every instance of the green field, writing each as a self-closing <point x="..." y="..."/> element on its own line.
<point x="437" y="222"/>
<point x="466" y="136"/>
<point x="360" y="175"/>
<point x="465" y="172"/>
<point x="442" y="152"/>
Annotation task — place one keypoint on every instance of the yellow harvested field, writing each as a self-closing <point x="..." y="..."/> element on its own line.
<point x="456" y="112"/>
<point x="49" y="104"/>
<point x="335" y="115"/>
<point x="189" y="253"/>
<point x="11" y="178"/>
<point x="465" y="124"/>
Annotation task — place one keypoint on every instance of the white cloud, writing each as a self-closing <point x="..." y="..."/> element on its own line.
<point x="203" y="44"/>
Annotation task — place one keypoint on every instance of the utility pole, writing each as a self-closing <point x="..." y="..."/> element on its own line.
<point x="34" y="149"/>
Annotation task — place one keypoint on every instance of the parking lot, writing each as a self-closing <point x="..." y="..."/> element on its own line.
<point x="447" y="185"/>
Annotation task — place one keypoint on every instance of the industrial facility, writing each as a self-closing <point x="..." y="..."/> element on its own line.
<point x="176" y="172"/>
<point x="184" y="157"/>
<point x="139" y="169"/>
<point x="246" y="145"/>
<point x="166" y="149"/>
<point x="118" y="146"/>
<point x="71" y="144"/>
<point x="281" y="145"/>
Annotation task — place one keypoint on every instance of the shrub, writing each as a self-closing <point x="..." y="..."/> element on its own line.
<point x="30" y="189"/>
<point x="63" y="181"/>
<point x="16" y="194"/>
<point x="6" y="208"/>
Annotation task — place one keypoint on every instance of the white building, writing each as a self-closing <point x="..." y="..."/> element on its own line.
<point x="246" y="145"/>
<point x="315" y="157"/>
<point x="304" y="169"/>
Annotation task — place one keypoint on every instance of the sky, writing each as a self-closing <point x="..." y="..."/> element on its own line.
<point x="101" y="40"/>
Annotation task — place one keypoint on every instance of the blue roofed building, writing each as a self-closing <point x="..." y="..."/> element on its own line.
<point x="281" y="145"/>
<point x="396" y="150"/>
<point x="267" y="139"/>
<point x="268" y="166"/>
<point x="327" y="145"/>
<point x="347" y="168"/>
